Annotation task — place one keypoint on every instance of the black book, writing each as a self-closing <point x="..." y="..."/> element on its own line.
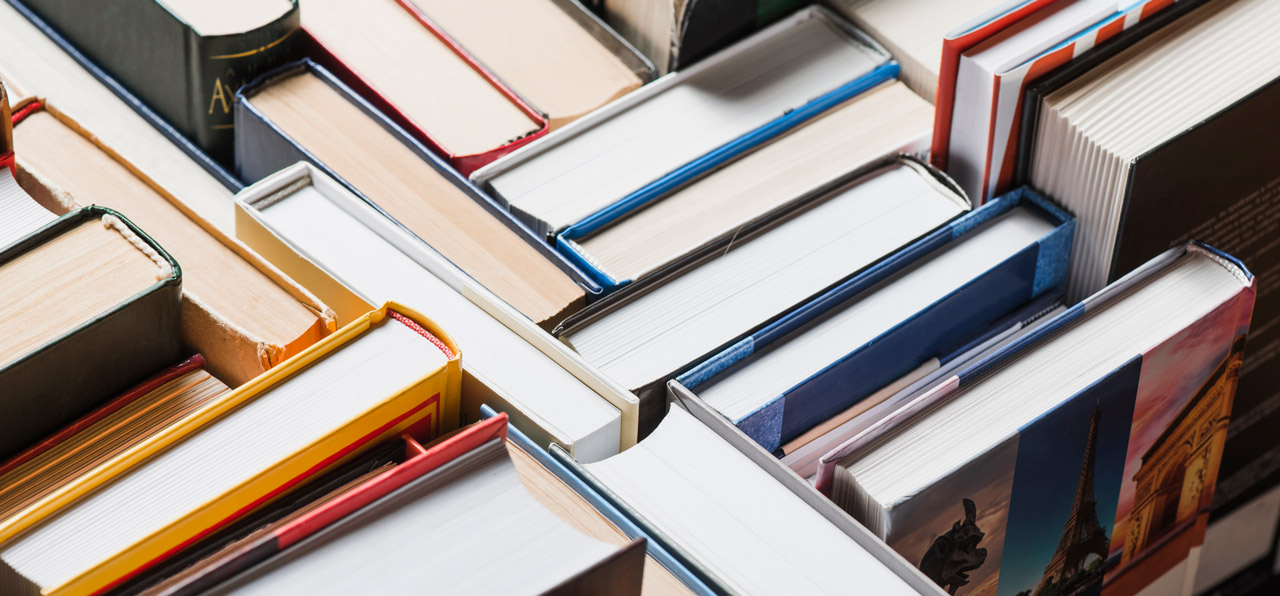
<point x="184" y="58"/>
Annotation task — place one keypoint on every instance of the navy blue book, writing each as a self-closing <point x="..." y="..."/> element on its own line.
<point x="890" y="326"/>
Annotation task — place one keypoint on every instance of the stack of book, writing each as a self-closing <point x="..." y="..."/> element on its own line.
<point x="639" y="297"/>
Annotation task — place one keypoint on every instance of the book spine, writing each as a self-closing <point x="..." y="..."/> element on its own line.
<point x="220" y="65"/>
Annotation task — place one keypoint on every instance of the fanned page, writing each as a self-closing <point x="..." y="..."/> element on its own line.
<point x="41" y="68"/>
<point x="773" y="371"/>
<point x="886" y="120"/>
<point x="417" y="73"/>
<point x="539" y="50"/>
<point x="509" y="365"/>
<point x="731" y="516"/>
<point x="225" y="285"/>
<point x="209" y="463"/>
<point x="22" y="215"/>
<point x="745" y="87"/>
<point x="913" y="31"/>
<point x="377" y="163"/>
<point x="682" y="319"/>
<point x="470" y="527"/>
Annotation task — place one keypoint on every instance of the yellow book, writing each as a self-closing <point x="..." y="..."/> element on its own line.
<point x="389" y="372"/>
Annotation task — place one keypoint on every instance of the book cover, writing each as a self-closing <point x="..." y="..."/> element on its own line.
<point x="429" y="407"/>
<point x="1108" y="493"/>
<point x="939" y="329"/>
<point x="189" y="79"/>
<point x="63" y="379"/>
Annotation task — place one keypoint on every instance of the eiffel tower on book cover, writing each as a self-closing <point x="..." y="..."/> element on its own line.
<point x="1082" y="535"/>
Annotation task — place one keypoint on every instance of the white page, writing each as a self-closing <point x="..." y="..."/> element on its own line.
<point x="508" y="364"/>
<point x="20" y="215"/>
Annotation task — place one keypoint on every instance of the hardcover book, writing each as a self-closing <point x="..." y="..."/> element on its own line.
<point x="292" y="217"/>
<point x="677" y="128"/>
<point x="386" y="374"/>
<point x="183" y="58"/>
<point x="238" y="311"/>
<point x="91" y="306"/>
<point x="303" y="113"/>
<point x="1082" y="458"/>
<point x="851" y="341"/>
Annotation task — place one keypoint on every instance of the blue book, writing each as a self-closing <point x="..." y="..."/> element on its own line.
<point x="673" y="130"/>
<point x="890" y="325"/>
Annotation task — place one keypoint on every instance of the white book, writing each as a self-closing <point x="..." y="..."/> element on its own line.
<point x="748" y="530"/>
<point x="599" y="159"/>
<point x="20" y="214"/>
<point x="645" y="338"/>
<point x="347" y="239"/>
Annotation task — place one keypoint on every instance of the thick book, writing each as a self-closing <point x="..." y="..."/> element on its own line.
<point x="241" y="313"/>
<point x="303" y="113"/>
<point x="1082" y="457"/>
<point x="733" y="524"/>
<point x="407" y="66"/>
<point x="184" y="59"/>
<point x="656" y="329"/>
<point x="618" y="246"/>
<point x="126" y="420"/>
<point x="293" y="216"/>
<point x="390" y="372"/>
<point x="549" y="51"/>
<point x="1195" y="173"/>
<point x="34" y="58"/>
<point x="92" y="306"/>
<point x="675" y="35"/>
<point x="907" y="312"/>
<point x="451" y="513"/>
<point x="671" y="131"/>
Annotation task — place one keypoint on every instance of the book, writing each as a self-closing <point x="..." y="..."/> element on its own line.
<point x="381" y="48"/>
<point x="183" y="58"/>
<point x="540" y="50"/>
<point x="852" y="341"/>
<point x="388" y="373"/>
<point x="679" y="127"/>
<point x="733" y="524"/>
<point x="91" y="307"/>
<point x="1167" y="175"/>
<point x="22" y="214"/>
<point x="124" y="421"/>
<point x="37" y="64"/>
<point x="303" y="113"/>
<point x="915" y="31"/>
<point x="292" y="217"/>
<point x="675" y="35"/>
<point x="1081" y="457"/>
<point x="650" y="332"/>
<point x="618" y="247"/>
<point x="242" y="314"/>
<point x="463" y="502"/>
<point x="985" y="117"/>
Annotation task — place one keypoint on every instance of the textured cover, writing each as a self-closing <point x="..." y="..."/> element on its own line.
<point x="463" y="163"/>
<point x="429" y="406"/>
<point x="568" y="475"/>
<point x="656" y="190"/>
<point x="68" y="377"/>
<point x="187" y="78"/>
<point x="263" y="149"/>
<point x="940" y="328"/>
<point x="1108" y="490"/>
